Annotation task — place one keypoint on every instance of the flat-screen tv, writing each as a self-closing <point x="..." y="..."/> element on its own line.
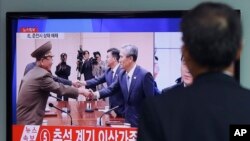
<point x="156" y="34"/>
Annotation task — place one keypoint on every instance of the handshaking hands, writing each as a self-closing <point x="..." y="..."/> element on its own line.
<point x="88" y="93"/>
<point x="77" y="84"/>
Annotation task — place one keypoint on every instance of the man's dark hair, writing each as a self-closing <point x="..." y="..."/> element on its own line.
<point x="85" y="51"/>
<point x="96" y="53"/>
<point x="63" y="54"/>
<point x="212" y="34"/>
<point x="115" y="53"/>
<point x="63" y="57"/>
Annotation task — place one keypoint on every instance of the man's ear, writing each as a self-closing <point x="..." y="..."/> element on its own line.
<point x="41" y="62"/>
<point x="187" y="58"/>
<point x="185" y="53"/>
<point x="238" y="53"/>
<point x="131" y="58"/>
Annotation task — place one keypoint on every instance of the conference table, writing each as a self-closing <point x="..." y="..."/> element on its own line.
<point x="80" y="117"/>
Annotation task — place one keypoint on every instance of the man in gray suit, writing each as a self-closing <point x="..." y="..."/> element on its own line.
<point x="36" y="87"/>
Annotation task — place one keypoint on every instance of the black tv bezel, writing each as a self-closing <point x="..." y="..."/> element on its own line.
<point x="10" y="16"/>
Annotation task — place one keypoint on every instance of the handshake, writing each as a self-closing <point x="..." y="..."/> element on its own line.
<point x="88" y="93"/>
<point x="77" y="84"/>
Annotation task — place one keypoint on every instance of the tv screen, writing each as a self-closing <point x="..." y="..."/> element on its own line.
<point x="156" y="34"/>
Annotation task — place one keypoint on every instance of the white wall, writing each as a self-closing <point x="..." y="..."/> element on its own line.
<point x="169" y="54"/>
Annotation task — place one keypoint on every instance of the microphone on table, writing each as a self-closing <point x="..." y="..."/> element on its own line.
<point x="89" y="104"/>
<point x="55" y="97"/>
<point x="52" y="105"/>
<point x="89" y="107"/>
<point x="59" y="99"/>
<point x="100" y="119"/>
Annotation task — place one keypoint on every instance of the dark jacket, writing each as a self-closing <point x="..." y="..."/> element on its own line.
<point x="178" y="85"/>
<point x="86" y="69"/>
<point x="63" y="70"/>
<point x="203" y="111"/>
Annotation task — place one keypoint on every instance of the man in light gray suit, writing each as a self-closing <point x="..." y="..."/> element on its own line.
<point x="36" y="87"/>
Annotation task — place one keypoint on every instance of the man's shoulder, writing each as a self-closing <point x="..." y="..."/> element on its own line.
<point x="237" y="92"/>
<point x="40" y="72"/>
<point x="119" y="69"/>
<point x="121" y="72"/>
<point x="32" y="64"/>
<point x="159" y="100"/>
<point x="173" y="87"/>
<point x="141" y="70"/>
<point x="68" y="66"/>
<point x="37" y="74"/>
<point x="107" y="70"/>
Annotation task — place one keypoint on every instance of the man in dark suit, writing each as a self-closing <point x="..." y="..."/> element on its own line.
<point x="86" y="68"/>
<point x="110" y="76"/>
<point x="205" y="110"/>
<point x="134" y="82"/>
<point x="63" y="71"/>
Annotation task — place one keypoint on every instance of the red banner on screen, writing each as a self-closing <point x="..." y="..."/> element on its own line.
<point x="29" y="29"/>
<point x="72" y="133"/>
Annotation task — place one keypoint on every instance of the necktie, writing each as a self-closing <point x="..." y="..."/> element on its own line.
<point x="112" y="76"/>
<point x="128" y="82"/>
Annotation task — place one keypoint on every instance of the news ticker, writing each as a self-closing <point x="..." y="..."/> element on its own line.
<point x="72" y="133"/>
<point x="79" y="133"/>
<point x="240" y="132"/>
